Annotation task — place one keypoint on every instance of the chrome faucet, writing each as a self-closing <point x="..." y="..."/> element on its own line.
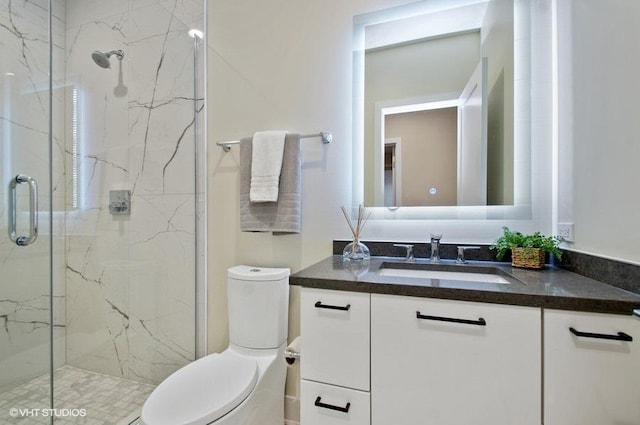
<point x="435" y="247"/>
<point x="409" y="258"/>
<point x="461" y="250"/>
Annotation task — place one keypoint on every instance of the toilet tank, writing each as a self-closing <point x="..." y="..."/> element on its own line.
<point x="258" y="300"/>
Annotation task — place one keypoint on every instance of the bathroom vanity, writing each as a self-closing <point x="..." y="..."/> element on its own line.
<point x="405" y="343"/>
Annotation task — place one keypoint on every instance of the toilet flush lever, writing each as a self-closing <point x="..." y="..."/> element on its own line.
<point x="291" y="356"/>
<point x="292" y="352"/>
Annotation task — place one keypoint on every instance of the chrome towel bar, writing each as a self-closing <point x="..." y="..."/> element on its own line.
<point x="324" y="135"/>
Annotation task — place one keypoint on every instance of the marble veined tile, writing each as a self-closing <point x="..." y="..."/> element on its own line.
<point x="25" y="311"/>
<point x="162" y="56"/>
<point x="97" y="321"/>
<point x="189" y="12"/>
<point x="162" y="149"/>
<point x="124" y="292"/>
<point x="84" y="11"/>
<point x="131" y="289"/>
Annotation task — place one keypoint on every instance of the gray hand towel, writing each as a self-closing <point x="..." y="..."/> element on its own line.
<point x="282" y="216"/>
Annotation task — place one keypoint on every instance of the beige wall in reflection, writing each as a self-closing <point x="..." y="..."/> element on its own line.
<point x="428" y="155"/>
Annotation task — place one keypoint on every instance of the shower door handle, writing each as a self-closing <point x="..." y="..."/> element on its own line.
<point x="33" y="210"/>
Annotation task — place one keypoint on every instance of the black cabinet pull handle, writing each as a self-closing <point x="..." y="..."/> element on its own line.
<point x="344" y="409"/>
<point x="621" y="336"/>
<point x="479" y="322"/>
<point x="332" y="307"/>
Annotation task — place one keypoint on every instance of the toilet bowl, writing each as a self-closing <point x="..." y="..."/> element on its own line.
<point x="243" y="385"/>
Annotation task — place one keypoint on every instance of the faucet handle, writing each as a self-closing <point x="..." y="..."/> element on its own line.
<point x="436" y="237"/>
<point x="461" y="250"/>
<point x="409" y="258"/>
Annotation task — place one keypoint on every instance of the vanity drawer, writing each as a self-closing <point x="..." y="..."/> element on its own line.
<point x="334" y="327"/>
<point x="454" y="362"/>
<point x="322" y="404"/>
<point x="591" y="368"/>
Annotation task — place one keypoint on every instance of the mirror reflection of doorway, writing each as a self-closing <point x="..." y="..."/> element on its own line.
<point x="429" y="157"/>
<point x="392" y="172"/>
<point x="472" y="139"/>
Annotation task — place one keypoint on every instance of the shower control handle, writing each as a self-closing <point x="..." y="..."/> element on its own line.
<point x="120" y="202"/>
<point x="33" y="210"/>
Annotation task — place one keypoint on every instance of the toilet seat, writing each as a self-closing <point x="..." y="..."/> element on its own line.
<point x="202" y="391"/>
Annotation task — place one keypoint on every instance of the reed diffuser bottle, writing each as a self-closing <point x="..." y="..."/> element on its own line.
<point x="356" y="250"/>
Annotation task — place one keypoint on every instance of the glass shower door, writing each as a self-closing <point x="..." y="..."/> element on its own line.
<point x="88" y="296"/>
<point x="25" y="196"/>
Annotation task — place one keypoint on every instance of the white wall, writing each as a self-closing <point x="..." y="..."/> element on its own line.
<point x="278" y="64"/>
<point x="599" y="125"/>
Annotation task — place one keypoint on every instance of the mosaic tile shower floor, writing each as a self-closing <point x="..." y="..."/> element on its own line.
<point x="107" y="400"/>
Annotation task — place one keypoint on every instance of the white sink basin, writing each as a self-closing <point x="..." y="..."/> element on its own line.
<point x="444" y="275"/>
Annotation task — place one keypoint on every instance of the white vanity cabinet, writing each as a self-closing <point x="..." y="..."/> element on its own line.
<point x="591" y="369"/>
<point x="334" y="368"/>
<point x="387" y="359"/>
<point x="454" y="362"/>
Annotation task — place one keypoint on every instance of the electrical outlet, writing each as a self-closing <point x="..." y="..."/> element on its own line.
<point x="565" y="231"/>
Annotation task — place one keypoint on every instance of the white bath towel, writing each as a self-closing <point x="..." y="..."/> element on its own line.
<point x="280" y="217"/>
<point x="266" y="164"/>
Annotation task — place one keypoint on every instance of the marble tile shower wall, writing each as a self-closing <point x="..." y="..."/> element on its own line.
<point x="24" y="126"/>
<point x="123" y="287"/>
<point x="130" y="291"/>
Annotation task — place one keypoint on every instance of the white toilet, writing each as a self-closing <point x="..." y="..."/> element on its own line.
<point x="244" y="385"/>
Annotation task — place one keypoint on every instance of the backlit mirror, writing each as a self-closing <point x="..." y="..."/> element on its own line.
<point x="435" y="102"/>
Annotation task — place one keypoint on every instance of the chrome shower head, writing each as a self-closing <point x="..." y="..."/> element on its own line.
<point x="102" y="59"/>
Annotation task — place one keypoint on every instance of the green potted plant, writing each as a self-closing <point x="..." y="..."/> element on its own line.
<point x="527" y="251"/>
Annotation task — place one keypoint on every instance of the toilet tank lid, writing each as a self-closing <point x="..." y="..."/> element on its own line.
<point x="257" y="273"/>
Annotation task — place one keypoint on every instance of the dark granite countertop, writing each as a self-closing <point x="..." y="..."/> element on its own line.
<point x="550" y="287"/>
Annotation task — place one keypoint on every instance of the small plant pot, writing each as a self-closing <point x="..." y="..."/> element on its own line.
<point x="527" y="258"/>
